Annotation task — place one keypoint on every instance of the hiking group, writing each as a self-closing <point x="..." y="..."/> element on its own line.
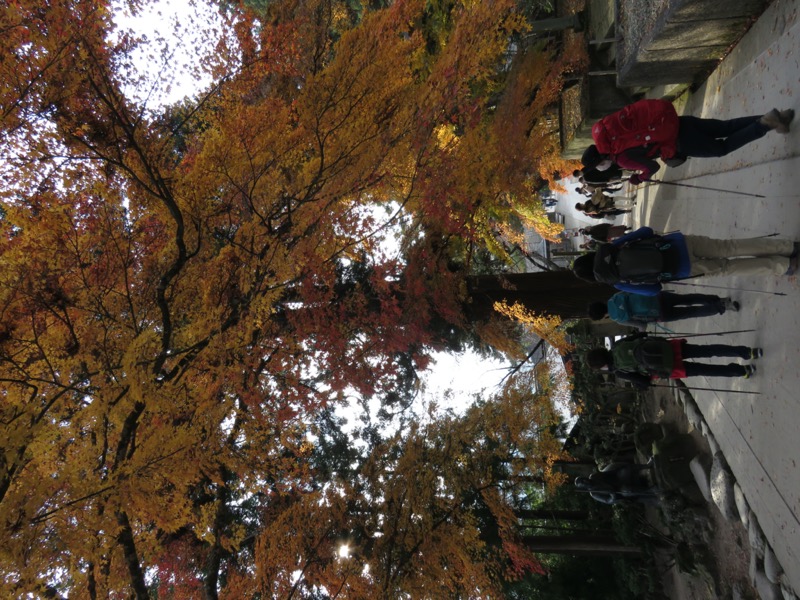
<point x="638" y="263"/>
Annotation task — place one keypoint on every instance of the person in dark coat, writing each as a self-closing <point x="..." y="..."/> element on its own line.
<point x="619" y="482"/>
<point x="591" y="176"/>
<point x="604" y="232"/>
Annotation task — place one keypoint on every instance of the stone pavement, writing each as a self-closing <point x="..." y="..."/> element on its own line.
<point x="758" y="434"/>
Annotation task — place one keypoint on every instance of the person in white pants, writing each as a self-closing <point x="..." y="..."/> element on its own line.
<point x="749" y="256"/>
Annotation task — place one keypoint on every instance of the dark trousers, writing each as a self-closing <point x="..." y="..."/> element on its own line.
<point x="712" y="137"/>
<point x="710" y="351"/>
<point x="675" y="307"/>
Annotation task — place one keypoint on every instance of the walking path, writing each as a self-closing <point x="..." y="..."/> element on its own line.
<point x="758" y="434"/>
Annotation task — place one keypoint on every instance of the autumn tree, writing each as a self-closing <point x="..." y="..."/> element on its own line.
<point x="177" y="301"/>
<point x="426" y="512"/>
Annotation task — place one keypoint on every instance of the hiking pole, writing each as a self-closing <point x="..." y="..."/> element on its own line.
<point x="701" y="187"/>
<point x="724" y="287"/>
<point x="688" y="335"/>
<point x="666" y="330"/>
<point x="766" y="235"/>
<point x="708" y="389"/>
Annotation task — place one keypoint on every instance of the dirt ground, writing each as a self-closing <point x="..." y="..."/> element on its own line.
<point x="728" y="562"/>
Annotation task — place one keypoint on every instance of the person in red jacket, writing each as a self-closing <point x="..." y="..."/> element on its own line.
<point x="635" y="136"/>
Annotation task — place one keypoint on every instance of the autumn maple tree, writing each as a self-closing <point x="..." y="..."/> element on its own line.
<point x="183" y="290"/>
<point x="427" y="511"/>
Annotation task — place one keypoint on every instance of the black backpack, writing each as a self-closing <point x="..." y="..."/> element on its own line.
<point x="648" y="260"/>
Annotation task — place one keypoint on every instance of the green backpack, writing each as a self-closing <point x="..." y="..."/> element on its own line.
<point x="650" y="356"/>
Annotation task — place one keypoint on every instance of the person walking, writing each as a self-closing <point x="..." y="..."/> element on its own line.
<point x="608" y="181"/>
<point x="641" y="260"/>
<point x="609" y="209"/>
<point x="640" y="359"/>
<point x="620" y="482"/>
<point x="635" y="310"/>
<point x="633" y="137"/>
<point x="604" y="232"/>
<point x="611" y="176"/>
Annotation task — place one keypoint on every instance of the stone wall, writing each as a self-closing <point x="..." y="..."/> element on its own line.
<point x="595" y="97"/>
<point x="637" y="45"/>
<point x="682" y="42"/>
<point x="597" y="93"/>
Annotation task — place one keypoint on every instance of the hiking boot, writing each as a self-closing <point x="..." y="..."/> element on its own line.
<point x="786" y="117"/>
<point x="756" y="353"/>
<point x="793" y="260"/>
<point x="728" y="304"/>
<point x="749" y="371"/>
<point x="773" y="120"/>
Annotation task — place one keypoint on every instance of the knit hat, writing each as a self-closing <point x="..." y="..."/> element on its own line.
<point x="583" y="267"/>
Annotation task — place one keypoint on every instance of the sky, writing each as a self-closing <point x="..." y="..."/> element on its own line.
<point x="176" y="33"/>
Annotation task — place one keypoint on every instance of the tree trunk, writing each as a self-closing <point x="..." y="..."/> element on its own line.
<point x="547" y="292"/>
<point x="126" y="540"/>
<point x="544" y="513"/>
<point x="563" y="531"/>
<point x="578" y="545"/>
<point x="557" y="24"/>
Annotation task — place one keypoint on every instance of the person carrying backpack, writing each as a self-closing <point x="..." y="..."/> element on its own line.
<point x="635" y="310"/>
<point x="641" y="260"/>
<point x="592" y="210"/>
<point x="620" y="482"/>
<point x="604" y="232"/>
<point x="633" y="137"/>
<point x="611" y="176"/>
<point x="640" y="359"/>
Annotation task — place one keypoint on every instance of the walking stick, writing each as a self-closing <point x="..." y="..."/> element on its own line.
<point x="708" y="389"/>
<point x="766" y="235"/>
<point x="688" y="335"/>
<point x="722" y="287"/>
<point x="701" y="187"/>
<point x="664" y="329"/>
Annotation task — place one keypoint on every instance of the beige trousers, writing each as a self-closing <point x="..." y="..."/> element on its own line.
<point x="751" y="256"/>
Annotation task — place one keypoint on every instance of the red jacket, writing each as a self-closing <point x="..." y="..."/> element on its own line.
<point x="652" y="123"/>
<point x="678" y="368"/>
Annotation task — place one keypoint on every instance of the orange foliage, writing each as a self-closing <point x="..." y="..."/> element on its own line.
<point x="452" y="533"/>
<point x="175" y="300"/>
<point x="494" y="159"/>
<point x="545" y="326"/>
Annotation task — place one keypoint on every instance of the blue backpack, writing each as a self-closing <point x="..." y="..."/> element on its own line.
<point x="624" y="307"/>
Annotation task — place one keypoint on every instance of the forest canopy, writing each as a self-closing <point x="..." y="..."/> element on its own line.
<point x="187" y="293"/>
